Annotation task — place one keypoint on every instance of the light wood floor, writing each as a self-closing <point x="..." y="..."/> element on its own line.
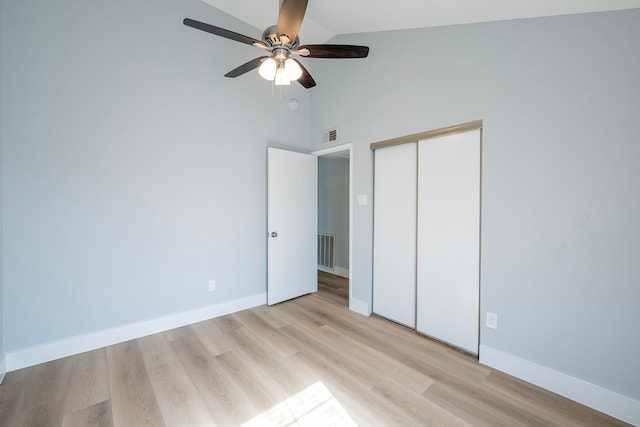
<point x="308" y="361"/>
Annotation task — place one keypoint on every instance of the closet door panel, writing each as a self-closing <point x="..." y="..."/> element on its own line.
<point x="448" y="289"/>
<point x="394" y="245"/>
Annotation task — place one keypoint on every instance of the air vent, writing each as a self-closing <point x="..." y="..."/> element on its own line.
<point x="326" y="250"/>
<point x="330" y="136"/>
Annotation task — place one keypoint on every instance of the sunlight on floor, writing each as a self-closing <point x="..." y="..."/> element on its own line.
<point x="313" y="406"/>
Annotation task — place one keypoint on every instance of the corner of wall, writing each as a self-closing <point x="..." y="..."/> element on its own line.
<point x="596" y="397"/>
<point x="359" y="306"/>
<point x="3" y="357"/>
<point x="3" y="367"/>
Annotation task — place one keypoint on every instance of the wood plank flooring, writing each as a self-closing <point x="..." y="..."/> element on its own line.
<point x="305" y="362"/>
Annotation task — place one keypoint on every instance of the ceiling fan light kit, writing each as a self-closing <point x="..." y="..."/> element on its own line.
<point x="280" y="70"/>
<point x="281" y="78"/>
<point x="292" y="69"/>
<point x="282" y="41"/>
<point x="268" y="69"/>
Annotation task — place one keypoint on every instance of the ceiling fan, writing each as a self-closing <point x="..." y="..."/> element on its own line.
<point x="282" y="41"/>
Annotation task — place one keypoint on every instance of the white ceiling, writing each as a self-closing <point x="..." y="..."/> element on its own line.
<point x="327" y="18"/>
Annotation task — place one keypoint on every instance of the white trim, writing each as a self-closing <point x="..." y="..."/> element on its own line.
<point x="341" y="271"/>
<point x="331" y="150"/>
<point x="594" y="396"/>
<point x="359" y="306"/>
<point x="69" y="346"/>
<point x="351" y="205"/>
<point x="362" y="309"/>
<point x="3" y="367"/>
<point x="338" y="271"/>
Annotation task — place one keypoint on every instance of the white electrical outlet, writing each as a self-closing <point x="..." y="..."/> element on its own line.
<point x="492" y="320"/>
<point x="212" y="285"/>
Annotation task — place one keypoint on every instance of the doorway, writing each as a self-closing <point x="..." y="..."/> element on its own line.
<point x="335" y="221"/>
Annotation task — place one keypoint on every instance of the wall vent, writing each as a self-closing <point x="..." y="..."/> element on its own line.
<point x="329" y="136"/>
<point x="326" y="250"/>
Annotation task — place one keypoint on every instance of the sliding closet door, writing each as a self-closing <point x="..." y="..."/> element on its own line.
<point x="394" y="228"/>
<point x="449" y="239"/>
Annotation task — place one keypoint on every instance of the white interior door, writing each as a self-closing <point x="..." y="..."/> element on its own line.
<point x="394" y="234"/>
<point x="292" y="225"/>
<point x="449" y="239"/>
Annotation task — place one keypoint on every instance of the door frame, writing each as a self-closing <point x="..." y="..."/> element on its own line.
<point x="331" y="150"/>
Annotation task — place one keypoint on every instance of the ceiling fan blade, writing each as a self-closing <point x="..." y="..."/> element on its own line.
<point x="223" y="33"/>
<point x="245" y="68"/>
<point x="290" y="18"/>
<point x="305" y="79"/>
<point x="334" y="51"/>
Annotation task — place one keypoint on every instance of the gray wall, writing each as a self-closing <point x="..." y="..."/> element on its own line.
<point x="133" y="170"/>
<point x="560" y="100"/>
<point x="1" y="174"/>
<point x="333" y="205"/>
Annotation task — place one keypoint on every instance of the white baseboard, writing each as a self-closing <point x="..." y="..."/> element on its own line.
<point x="359" y="306"/>
<point x="338" y="271"/>
<point x="69" y="346"/>
<point x="3" y="367"/>
<point x="342" y="272"/>
<point x="596" y="397"/>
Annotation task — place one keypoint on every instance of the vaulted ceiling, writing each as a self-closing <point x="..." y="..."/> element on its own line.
<point x="327" y="18"/>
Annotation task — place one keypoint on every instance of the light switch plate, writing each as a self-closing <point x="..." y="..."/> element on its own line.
<point x="492" y="320"/>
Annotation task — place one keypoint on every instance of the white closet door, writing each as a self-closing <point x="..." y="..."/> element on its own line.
<point x="394" y="246"/>
<point x="449" y="239"/>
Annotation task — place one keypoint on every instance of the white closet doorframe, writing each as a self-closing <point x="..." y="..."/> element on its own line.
<point x="468" y="343"/>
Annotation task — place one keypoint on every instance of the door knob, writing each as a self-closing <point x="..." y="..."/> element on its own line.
<point x="274" y="234"/>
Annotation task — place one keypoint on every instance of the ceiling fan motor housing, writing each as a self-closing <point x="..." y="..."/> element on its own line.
<point x="271" y="37"/>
